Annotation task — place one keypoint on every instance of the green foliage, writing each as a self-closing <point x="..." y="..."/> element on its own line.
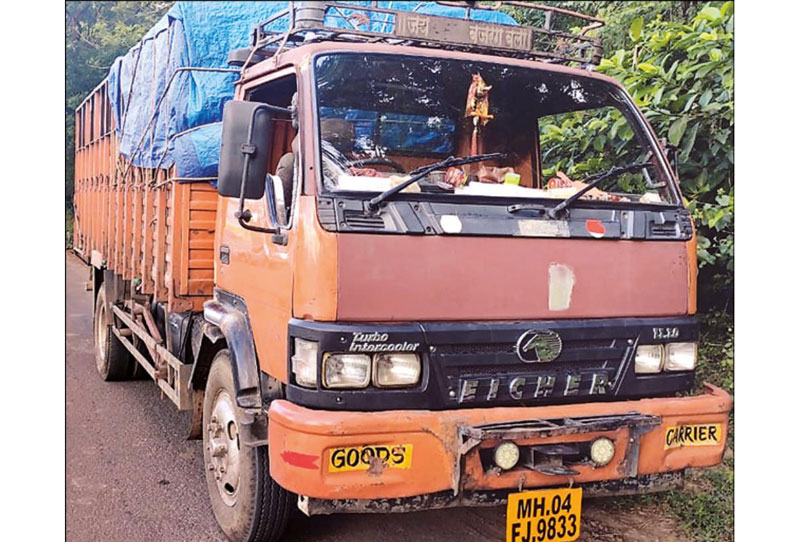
<point x="69" y="227"/>
<point x="582" y="143"/>
<point x="618" y="15"/>
<point x="676" y="61"/>
<point x="715" y="353"/>
<point x="96" y="33"/>
<point x="681" y="76"/>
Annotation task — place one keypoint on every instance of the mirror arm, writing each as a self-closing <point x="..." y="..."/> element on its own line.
<point x="242" y="214"/>
<point x="671" y="153"/>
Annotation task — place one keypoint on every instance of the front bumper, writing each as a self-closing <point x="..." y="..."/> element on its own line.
<point x="446" y="445"/>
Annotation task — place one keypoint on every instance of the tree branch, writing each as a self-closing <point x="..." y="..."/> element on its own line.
<point x="76" y="28"/>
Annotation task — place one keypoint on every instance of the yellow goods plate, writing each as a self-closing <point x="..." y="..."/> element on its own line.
<point x="544" y="515"/>
<point x="396" y="456"/>
<point x="707" y="434"/>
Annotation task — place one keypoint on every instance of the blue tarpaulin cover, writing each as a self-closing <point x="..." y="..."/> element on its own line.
<point x="201" y="34"/>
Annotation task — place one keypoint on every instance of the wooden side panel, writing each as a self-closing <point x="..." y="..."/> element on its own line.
<point x="94" y="175"/>
<point x="190" y="243"/>
<point x="173" y="256"/>
<point x="200" y="233"/>
<point x="147" y="223"/>
<point x="139" y="227"/>
<point x="126" y="234"/>
<point x="144" y="225"/>
<point x="118" y="220"/>
<point x="162" y="195"/>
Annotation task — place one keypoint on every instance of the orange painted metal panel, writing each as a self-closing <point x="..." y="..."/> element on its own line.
<point x="316" y="266"/>
<point x="436" y="442"/>
<point x="692" y="260"/>
<point x="260" y="272"/>
<point x="471" y="278"/>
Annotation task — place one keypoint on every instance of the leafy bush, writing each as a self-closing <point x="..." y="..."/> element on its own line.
<point x="681" y="76"/>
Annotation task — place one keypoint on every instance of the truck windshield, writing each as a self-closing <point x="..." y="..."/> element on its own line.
<point x="384" y="116"/>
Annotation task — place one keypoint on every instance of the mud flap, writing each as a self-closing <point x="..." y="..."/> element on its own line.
<point x="194" y="432"/>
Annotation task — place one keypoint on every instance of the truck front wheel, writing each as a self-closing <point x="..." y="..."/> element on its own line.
<point x="112" y="358"/>
<point x="248" y="504"/>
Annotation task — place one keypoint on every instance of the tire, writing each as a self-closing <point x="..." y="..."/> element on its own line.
<point x="248" y="504"/>
<point x="113" y="361"/>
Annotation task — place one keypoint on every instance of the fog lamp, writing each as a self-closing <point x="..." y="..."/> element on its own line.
<point x="346" y="370"/>
<point x="602" y="450"/>
<point x="648" y="359"/>
<point x="681" y="357"/>
<point x="396" y="370"/>
<point x="304" y="363"/>
<point x="506" y="455"/>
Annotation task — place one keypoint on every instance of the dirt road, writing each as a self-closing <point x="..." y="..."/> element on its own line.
<point x="131" y="476"/>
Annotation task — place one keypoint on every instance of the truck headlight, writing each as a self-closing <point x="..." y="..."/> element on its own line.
<point x="396" y="370"/>
<point x="602" y="450"/>
<point x="506" y="455"/>
<point x="304" y="363"/>
<point x="681" y="356"/>
<point x="648" y="358"/>
<point x="346" y="370"/>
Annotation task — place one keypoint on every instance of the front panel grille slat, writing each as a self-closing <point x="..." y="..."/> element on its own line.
<point x="482" y="373"/>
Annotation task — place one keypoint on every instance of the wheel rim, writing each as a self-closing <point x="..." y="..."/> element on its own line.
<point x="101" y="337"/>
<point x="223" y="447"/>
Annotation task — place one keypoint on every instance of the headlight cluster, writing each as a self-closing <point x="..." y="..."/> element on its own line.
<point x="304" y="363"/>
<point x="653" y="358"/>
<point x="354" y="371"/>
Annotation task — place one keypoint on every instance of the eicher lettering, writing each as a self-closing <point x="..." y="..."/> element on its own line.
<point x="379" y="342"/>
<point x="535" y="386"/>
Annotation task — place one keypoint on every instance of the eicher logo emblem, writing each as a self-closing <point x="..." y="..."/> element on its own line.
<point x="538" y="346"/>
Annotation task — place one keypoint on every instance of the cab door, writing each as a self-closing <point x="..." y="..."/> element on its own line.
<point x="255" y="266"/>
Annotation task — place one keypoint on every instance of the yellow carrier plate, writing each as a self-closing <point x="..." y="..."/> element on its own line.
<point x="544" y="515"/>
<point x="396" y="456"/>
<point x="706" y="434"/>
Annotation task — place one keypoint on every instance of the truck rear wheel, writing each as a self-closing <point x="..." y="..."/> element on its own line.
<point x="112" y="358"/>
<point x="248" y="504"/>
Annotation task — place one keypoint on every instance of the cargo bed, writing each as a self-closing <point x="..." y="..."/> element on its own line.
<point x="145" y="225"/>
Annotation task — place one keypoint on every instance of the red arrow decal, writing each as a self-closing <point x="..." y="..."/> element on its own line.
<point x="298" y="459"/>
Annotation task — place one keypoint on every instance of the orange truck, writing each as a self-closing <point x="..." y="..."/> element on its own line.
<point x="441" y="262"/>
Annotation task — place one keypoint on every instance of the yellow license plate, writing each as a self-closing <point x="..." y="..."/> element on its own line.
<point x="376" y="456"/>
<point x="706" y="434"/>
<point x="544" y="515"/>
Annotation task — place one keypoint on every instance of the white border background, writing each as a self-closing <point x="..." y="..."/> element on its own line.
<point x="32" y="303"/>
<point x="32" y="309"/>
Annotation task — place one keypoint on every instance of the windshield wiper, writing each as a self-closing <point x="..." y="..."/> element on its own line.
<point x="423" y="171"/>
<point x="592" y="181"/>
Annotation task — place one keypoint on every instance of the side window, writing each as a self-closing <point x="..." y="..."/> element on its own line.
<point x="576" y="144"/>
<point x="283" y="141"/>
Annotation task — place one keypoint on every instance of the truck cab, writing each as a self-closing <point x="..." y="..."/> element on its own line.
<point x="448" y="266"/>
<point x="434" y="319"/>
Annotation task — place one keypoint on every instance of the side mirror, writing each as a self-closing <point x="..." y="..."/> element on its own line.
<point x="245" y="142"/>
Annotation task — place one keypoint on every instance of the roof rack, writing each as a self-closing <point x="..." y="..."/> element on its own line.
<point x="311" y="22"/>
